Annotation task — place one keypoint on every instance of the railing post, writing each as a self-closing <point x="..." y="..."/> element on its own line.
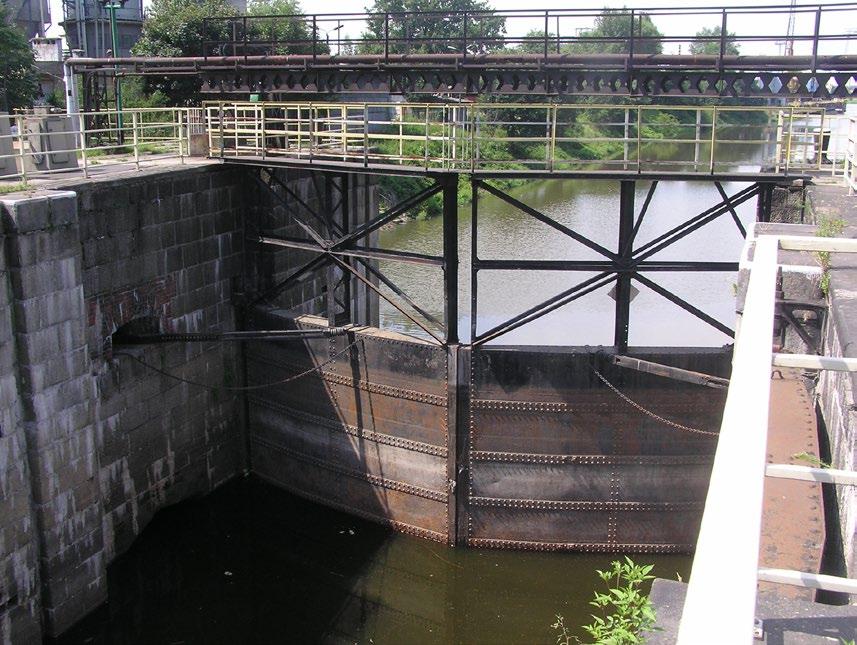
<point x="264" y="134"/>
<point x="222" y="140"/>
<point x="82" y="124"/>
<point x="722" y="46"/>
<point x="639" y="138"/>
<point x="547" y="17"/>
<point x="696" y="139"/>
<point x="314" y="38"/>
<point x="244" y="36"/>
<point x="20" y="123"/>
<point x="465" y="34"/>
<point x="819" y="146"/>
<point x="426" y="107"/>
<point x="815" y="40"/>
<point x="789" y="136"/>
<point x="629" y="66"/>
<point x="386" y="37"/>
<point x="180" y="132"/>
<point x="713" y="139"/>
<point x="554" y="110"/>
<point x="135" y="117"/>
<point x="449" y="181"/>
<point x="625" y="146"/>
<point x="365" y="134"/>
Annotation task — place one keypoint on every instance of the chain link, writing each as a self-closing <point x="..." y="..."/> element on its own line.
<point x="649" y="413"/>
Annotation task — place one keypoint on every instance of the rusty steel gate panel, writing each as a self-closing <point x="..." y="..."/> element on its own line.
<point x="365" y="431"/>
<point x="556" y="460"/>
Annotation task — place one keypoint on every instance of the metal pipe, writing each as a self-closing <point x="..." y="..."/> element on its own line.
<point x="668" y="371"/>
<point x="229" y="336"/>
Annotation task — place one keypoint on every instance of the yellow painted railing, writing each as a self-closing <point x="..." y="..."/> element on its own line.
<point x="521" y="137"/>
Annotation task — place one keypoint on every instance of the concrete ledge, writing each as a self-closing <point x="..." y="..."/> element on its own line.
<point x="791" y="622"/>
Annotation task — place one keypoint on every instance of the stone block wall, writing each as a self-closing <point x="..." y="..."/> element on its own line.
<point x="97" y="436"/>
<point x="170" y="256"/>
<point x="94" y="441"/>
<point x="20" y="599"/>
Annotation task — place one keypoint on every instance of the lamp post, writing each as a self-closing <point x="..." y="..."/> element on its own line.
<point x="111" y="6"/>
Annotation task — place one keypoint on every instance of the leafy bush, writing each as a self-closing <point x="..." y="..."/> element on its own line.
<point x="624" y="612"/>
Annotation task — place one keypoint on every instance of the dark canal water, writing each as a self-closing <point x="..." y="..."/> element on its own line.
<point x="253" y="564"/>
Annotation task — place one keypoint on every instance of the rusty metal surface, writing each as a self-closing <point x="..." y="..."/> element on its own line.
<point x="365" y="433"/>
<point x="793" y="512"/>
<point x="558" y="462"/>
<point x="535" y="452"/>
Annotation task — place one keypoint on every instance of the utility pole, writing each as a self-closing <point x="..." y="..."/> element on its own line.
<point x="111" y="6"/>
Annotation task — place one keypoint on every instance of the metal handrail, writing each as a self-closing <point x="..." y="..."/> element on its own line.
<point x="726" y="565"/>
<point x="95" y="138"/>
<point x="545" y="137"/>
<point x="560" y="28"/>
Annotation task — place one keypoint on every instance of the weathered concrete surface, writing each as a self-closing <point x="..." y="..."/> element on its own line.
<point x="20" y="598"/>
<point x="785" y="622"/>
<point x="836" y="390"/>
<point x="93" y="443"/>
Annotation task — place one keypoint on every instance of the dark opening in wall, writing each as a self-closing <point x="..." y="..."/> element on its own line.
<point x="134" y="331"/>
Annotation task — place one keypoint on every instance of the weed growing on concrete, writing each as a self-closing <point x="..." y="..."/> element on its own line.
<point x="12" y="188"/>
<point x="624" y="612"/>
<point x="827" y="227"/>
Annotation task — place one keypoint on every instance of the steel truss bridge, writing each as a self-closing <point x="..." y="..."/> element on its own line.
<point x="343" y="139"/>
<point x="524" y="52"/>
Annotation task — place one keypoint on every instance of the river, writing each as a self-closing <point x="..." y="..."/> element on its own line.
<point x="590" y="208"/>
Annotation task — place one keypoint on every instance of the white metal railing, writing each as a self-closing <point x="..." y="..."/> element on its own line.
<point x="545" y="137"/>
<point x="33" y="145"/>
<point x="850" y="170"/>
<point x="721" y="595"/>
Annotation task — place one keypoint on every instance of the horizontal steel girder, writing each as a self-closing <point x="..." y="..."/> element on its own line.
<point x="745" y="76"/>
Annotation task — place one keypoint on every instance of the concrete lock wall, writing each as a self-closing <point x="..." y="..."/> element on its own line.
<point x="93" y="442"/>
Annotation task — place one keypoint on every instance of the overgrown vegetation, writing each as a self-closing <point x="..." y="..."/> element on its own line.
<point x="827" y="227"/>
<point x="624" y="612"/>
<point x="5" y="189"/>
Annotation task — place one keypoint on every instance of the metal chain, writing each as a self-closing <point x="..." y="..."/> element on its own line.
<point x="246" y="388"/>
<point x="657" y="417"/>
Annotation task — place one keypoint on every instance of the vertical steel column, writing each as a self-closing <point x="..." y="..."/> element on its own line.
<point x="474" y="257"/>
<point x="763" y="205"/>
<point x="623" y="282"/>
<point x="449" y="181"/>
<point x="345" y="225"/>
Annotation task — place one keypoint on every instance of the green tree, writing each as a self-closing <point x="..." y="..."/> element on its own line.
<point x="18" y="76"/>
<point x="284" y="29"/>
<point x="437" y="33"/>
<point x="177" y="28"/>
<point x="707" y="41"/>
<point x="614" y="25"/>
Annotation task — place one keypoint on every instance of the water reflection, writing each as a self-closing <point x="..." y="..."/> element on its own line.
<point x="253" y="564"/>
<point x="590" y="208"/>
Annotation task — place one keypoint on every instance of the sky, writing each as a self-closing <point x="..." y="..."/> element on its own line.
<point x="673" y="25"/>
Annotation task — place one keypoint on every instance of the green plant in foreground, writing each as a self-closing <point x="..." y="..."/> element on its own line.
<point x="810" y="459"/>
<point x="625" y="612"/>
